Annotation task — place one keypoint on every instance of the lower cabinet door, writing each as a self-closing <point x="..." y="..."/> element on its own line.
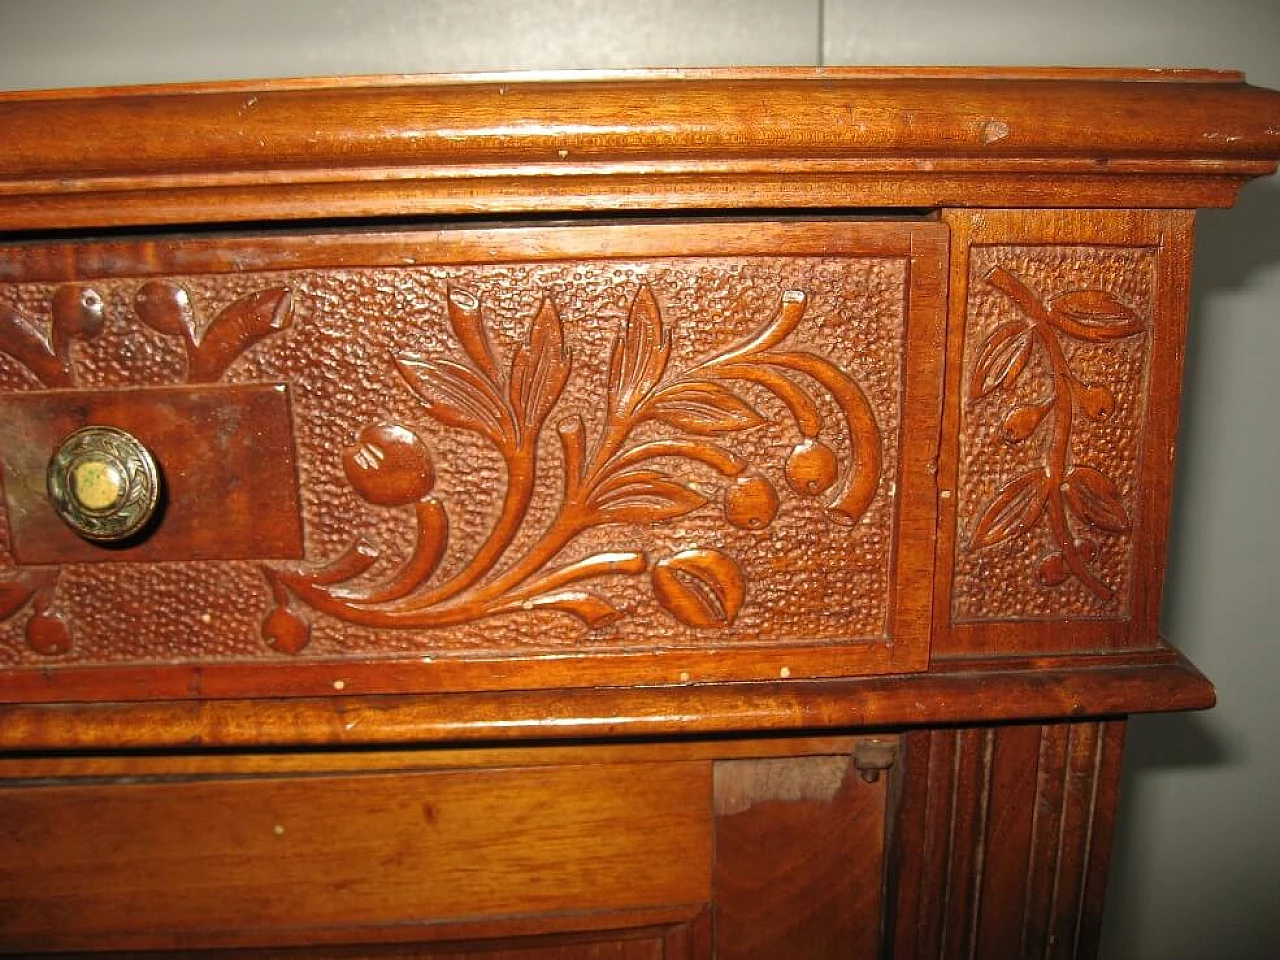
<point x="738" y="851"/>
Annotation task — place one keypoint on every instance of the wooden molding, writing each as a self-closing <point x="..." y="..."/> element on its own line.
<point x="980" y="691"/>
<point x="399" y="146"/>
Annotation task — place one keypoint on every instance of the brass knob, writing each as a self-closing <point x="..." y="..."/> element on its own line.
<point x="104" y="483"/>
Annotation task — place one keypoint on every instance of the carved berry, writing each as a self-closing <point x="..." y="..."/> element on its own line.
<point x="1053" y="570"/>
<point x="1022" y="422"/>
<point x="165" y="307"/>
<point x="750" y="503"/>
<point x="1098" y="403"/>
<point x="389" y="466"/>
<point x="48" y="633"/>
<point x="286" y="631"/>
<point x="811" y="467"/>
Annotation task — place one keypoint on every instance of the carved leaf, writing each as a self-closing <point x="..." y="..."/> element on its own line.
<point x="20" y="340"/>
<point x="1003" y="357"/>
<point x="587" y="607"/>
<point x="455" y="395"/>
<point x="700" y="587"/>
<point x="639" y="355"/>
<point x="1093" y="315"/>
<point x="14" y="595"/>
<point x="642" y="496"/>
<point x="539" y="368"/>
<point x="1094" y="498"/>
<point x="237" y="328"/>
<point x="1014" y="510"/>
<point x="703" y="408"/>
<point x="468" y="326"/>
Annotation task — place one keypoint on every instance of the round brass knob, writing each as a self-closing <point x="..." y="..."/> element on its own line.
<point x="104" y="483"/>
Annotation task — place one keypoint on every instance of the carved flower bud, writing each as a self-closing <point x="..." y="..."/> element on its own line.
<point x="286" y="631"/>
<point x="750" y="503"/>
<point x="1052" y="570"/>
<point x="1022" y="422"/>
<point x="389" y="466"/>
<point x="77" y="311"/>
<point x="1098" y="403"/>
<point x="811" y="467"/>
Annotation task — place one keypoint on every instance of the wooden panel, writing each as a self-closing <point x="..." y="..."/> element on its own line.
<point x="1004" y="836"/>
<point x="127" y="865"/>
<point x="1059" y="433"/>
<point x="799" y="860"/>
<point x="709" y="457"/>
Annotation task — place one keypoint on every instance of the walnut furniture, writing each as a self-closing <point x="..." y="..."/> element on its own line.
<point x="659" y="515"/>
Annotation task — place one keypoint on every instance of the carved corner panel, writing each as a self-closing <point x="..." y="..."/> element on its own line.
<point x="506" y="459"/>
<point x="1053" y="402"/>
<point x="1062" y="413"/>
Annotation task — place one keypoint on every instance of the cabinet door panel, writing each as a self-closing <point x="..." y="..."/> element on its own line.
<point x="260" y="861"/>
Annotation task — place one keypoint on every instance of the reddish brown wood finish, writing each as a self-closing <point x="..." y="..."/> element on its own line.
<point x="799" y="859"/>
<point x="646" y="141"/>
<point x="232" y="494"/>
<point x="1086" y="410"/>
<point x="435" y="849"/>
<point x="548" y="676"/>
<point x="965" y="691"/>
<point x="560" y="457"/>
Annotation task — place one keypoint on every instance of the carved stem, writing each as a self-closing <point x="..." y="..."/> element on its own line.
<point x="866" y="463"/>
<point x="1063" y="408"/>
<point x="798" y="403"/>
<point x="521" y="472"/>
<point x="428" y="550"/>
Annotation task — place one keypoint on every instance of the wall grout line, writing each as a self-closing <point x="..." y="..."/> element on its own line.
<point x="822" y="33"/>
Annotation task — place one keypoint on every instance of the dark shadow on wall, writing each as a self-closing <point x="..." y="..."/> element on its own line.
<point x="1231" y="246"/>
<point x="1154" y="747"/>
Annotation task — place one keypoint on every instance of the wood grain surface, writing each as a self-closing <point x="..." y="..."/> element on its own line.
<point x="642" y="141"/>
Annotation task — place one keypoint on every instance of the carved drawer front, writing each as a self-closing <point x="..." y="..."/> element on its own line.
<point x="473" y="459"/>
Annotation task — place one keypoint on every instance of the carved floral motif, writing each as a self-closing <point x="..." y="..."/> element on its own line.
<point x="611" y="478"/>
<point x="1060" y="488"/>
<point x="77" y="313"/>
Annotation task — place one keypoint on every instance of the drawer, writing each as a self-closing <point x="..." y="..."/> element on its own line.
<point x="469" y="459"/>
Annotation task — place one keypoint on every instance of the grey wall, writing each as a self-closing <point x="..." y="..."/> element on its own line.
<point x="1197" y="870"/>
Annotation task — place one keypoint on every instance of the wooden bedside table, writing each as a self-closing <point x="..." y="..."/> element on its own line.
<point x="674" y="514"/>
